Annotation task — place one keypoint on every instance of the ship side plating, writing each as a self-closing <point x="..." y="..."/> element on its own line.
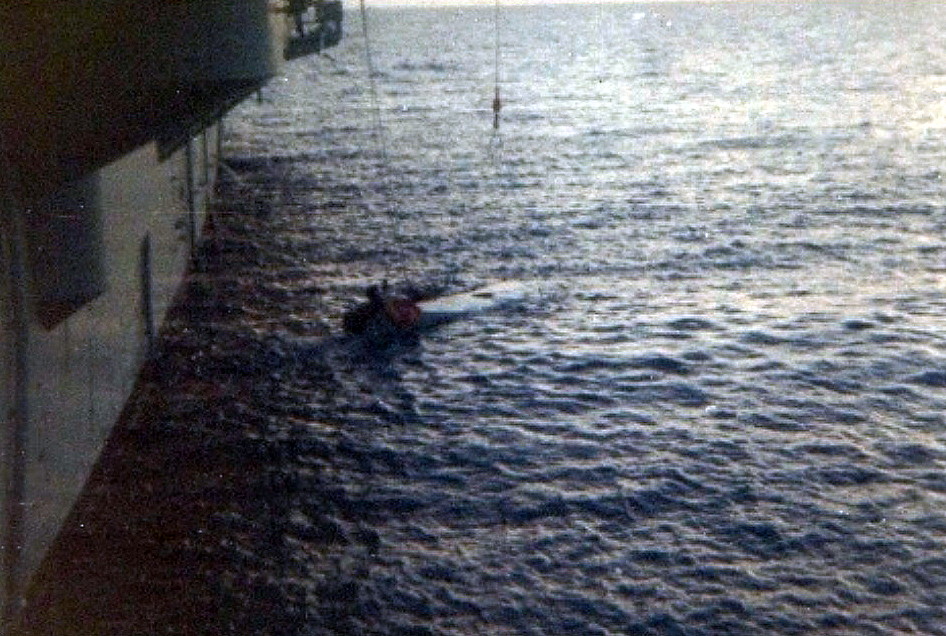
<point x="110" y="134"/>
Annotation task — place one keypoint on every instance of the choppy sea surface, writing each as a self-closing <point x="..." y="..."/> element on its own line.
<point x="719" y="409"/>
<point x="719" y="406"/>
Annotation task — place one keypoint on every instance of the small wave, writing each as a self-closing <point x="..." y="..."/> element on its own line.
<point x="430" y="67"/>
<point x="912" y="455"/>
<point x="759" y="538"/>
<point x="763" y="338"/>
<point x="692" y="324"/>
<point x="847" y="475"/>
<point x="936" y="379"/>
<point x="756" y="142"/>
<point x="660" y="363"/>
<point x="771" y="422"/>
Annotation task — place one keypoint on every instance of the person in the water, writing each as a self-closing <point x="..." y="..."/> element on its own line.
<point x="382" y="312"/>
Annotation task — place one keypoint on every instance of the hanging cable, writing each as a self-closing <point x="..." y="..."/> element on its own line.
<point x="399" y="268"/>
<point x="373" y="84"/>
<point x="379" y="132"/>
<point x="497" y="99"/>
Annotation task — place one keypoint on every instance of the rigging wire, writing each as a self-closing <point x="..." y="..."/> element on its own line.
<point x="497" y="99"/>
<point x="378" y="123"/>
<point x="392" y="209"/>
<point x="372" y="82"/>
<point x="496" y="140"/>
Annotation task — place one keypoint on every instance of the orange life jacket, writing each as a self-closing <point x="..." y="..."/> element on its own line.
<point x="403" y="313"/>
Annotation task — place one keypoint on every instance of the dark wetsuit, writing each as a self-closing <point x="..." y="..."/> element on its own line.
<point x="359" y="319"/>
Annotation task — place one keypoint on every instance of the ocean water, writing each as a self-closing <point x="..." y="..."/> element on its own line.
<point x="718" y="407"/>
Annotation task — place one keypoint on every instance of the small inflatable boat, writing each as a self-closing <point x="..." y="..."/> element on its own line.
<point x="436" y="311"/>
<point x="389" y="314"/>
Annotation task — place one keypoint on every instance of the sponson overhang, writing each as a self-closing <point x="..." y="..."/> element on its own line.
<point x="84" y="82"/>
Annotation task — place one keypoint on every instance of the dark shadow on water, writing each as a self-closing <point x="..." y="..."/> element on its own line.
<point x="180" y="529"/>
<point x="186" y="524"/>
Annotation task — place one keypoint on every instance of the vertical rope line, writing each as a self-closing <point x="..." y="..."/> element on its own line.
<point x="373" y="84"/>
<point x="392" y="208"/>
<point x="375" y="103"/>
<point x="498" y="41"/>
<point x="497" y="100"/>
